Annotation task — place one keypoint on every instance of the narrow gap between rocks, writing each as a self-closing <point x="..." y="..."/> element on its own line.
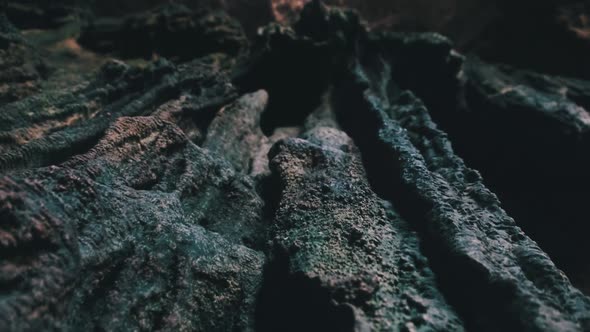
<point x="537" y="168"/>
<point x="293" y="303"/>
<point x="460" y="281"/>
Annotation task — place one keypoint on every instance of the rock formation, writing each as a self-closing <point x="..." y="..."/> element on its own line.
<point x="320" y="176"/>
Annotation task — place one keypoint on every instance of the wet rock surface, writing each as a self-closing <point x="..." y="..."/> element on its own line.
<point x="322" y="176"/>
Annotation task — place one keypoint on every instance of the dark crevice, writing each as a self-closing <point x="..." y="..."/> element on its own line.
<point x="282" y="112"/>
<point x="269" y="190"/>
<point x="110" y="275"/>
<point x="289" y="301"/>
<point x="76" y="148"/>
<point x="59" y="146"/>
<point x="147" y="231"/>
<point x="534" y="161"/>
<point x="164" y="30"/>
<point x="460" y="279"/>
<point x="295" y="73"/>
<point x="292" y="302"/>
<point x="536" y="166"/>
<point x="201" y="119"/>
<point x="30" y="156"/>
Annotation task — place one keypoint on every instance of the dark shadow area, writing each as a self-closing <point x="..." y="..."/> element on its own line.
<point x="293" y="72"/>
<point x="292" y="302"/>
<point x="538" y="166"/>
<point x="460" y="279"/>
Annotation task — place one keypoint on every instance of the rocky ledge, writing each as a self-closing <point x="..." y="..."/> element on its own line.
<point x="321" y="176"/>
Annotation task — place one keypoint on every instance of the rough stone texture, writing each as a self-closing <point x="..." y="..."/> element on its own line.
<point x="523" y="31"/>
<point x="35" y="14"/>
<point x="122" y="238"/>
<point x="66" y="123"/>
<point x="544" y="35"/>
<point x="251" y="13"/>
<point x="560" y="99"/>
<point x="235" y="134"/>
<point x="466" y="229"/>
<point x="463" y="221"/>
<point x="411" y="163"/>
<point x="39" y="14"/>
<point x="500" y="99"/>
<point x="298" y="181"/>
<point x="408" y="15"/>
<point x="165" y="31"/>
<point x="340" y="247"/>
<point x="21" y="67"/>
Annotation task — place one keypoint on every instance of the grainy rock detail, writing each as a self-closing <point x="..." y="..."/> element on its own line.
<point x="326" y="175"/>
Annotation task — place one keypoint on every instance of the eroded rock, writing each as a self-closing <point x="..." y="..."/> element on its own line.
<point x="344" y="259"/>
<point x="235" y="133"/>
<point x="21" y="66"/>
<point x="69" y="122"/>
<point x="173" y="31"/>
<point x="141" y="197"/>
<point x="144" y="231"/>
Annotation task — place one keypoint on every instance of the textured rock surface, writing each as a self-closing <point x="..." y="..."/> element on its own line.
<point x="546" y="35"/>
<point x="467" y="230"/>
<point x="66" y="123"/>
<point x="500" y="99"/>
<point x="235" y="133"/>
<point x="165" y="31"/>
<point x="34" y="14"/>
<point x="130" y="235"/>
<point x="21" y="68"/>
<point x="301" y="181"/>
<point x="406" y="15"/>
<point x="337" y="243"/>
<point x="557" y="29"/>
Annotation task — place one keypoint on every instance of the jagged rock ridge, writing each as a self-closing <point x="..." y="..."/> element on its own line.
<point x="300" y="181"/>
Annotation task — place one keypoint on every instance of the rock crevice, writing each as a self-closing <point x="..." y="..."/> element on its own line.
<point x="321" y="177"/>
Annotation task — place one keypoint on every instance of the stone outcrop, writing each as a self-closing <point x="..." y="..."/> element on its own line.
<point x="319" y="177"/>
